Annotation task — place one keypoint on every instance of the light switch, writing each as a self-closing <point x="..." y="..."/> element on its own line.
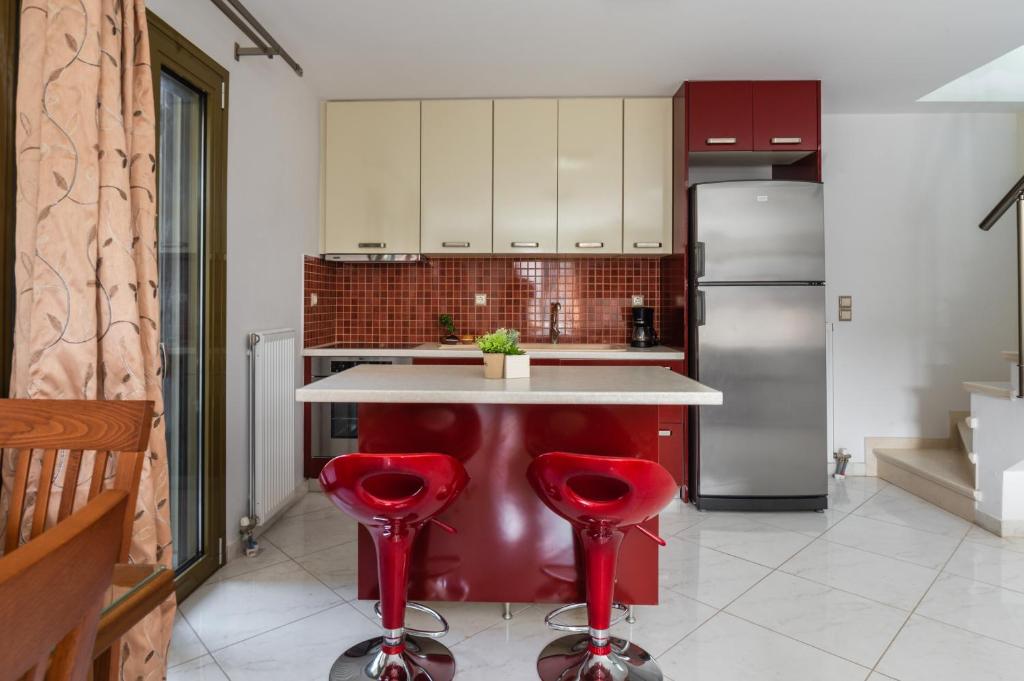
<point x="480" y="299"/>
<point x="846" y="315"/>
<point x="846" y="308"/>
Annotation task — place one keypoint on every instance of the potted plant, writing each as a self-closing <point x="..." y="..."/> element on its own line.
<point x="503" y="358"/>
<point x="448" y="325"/>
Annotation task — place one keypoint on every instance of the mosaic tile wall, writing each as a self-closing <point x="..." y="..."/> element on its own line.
<point x="400" y="303"/>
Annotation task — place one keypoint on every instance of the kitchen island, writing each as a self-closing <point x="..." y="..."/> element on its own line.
<point x="509" y="546"/>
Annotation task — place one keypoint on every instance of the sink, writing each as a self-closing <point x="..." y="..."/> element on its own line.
<point x="548" y="347"/>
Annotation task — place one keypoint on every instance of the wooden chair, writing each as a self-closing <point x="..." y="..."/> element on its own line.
<point x="52" y="590"/>
<point x="117" y="429"/>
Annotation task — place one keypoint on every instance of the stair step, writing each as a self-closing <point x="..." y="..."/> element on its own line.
<point x="1000" y="389"/>
<point x="942" y="476"/>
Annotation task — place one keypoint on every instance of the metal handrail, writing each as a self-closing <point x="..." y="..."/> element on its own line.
<point x="1014" y="197"/>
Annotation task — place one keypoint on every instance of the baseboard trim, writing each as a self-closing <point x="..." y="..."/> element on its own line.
<point x="1007" y="528"/>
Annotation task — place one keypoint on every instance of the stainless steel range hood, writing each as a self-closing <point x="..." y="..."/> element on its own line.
<point x="375" y="257"/>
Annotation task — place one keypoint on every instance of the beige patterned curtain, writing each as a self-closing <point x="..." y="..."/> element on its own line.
<point x="86" y="273"/>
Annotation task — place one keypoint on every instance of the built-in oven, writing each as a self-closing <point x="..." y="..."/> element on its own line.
<point x="335" y="425"/>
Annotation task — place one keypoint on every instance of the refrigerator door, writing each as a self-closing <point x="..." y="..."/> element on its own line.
<point x="759" y="231"/>
<point x="764" y="348"/>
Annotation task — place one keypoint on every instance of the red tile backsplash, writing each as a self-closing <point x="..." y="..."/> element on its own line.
<point x="400" y="303"/>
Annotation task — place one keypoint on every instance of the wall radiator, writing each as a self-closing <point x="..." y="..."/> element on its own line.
<point x="272" y="413"/>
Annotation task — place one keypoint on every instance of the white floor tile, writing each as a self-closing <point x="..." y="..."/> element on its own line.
<point x="301" y="651"/>
<point x="821" y="616"/>
<point x="508" y="649"/>
<point x="738" y="535"/>
<point x="896" y="541"/>
<point x="201" y="669"/>
<point x="982" y="608"/>
<point x="185" y="645"/>
<point x="310" y="501"/>
<point x="704" y="574"/>
<point x="981" y="536"/>
<point x="268" y="555"/>
<point x="335" y="567"/>
<point x="897" y="506"/>
<point x="879" y="578"/>
<point x="931" y="651"/>
<point x="235" y="609"/>
<point x="302" y="535"/>
<point x="729" y="649"/>
<point x="984" y="563"/>
<point x="809" y="523"/>
<point x="678" y="516"/>
<point x="846" y="495"/>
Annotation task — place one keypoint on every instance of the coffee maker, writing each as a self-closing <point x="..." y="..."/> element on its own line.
<point x="644" y="335"/>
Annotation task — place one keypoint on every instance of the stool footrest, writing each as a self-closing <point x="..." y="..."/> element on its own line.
<point x="419" y="607"/>
<point x="552" y="623"/>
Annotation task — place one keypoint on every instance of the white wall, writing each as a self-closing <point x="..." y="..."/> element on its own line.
<point x="933" y="296"/>
<point x="273" y="190"/>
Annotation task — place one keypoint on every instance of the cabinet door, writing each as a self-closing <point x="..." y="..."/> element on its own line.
<point x="456" y="184"/>
<point x="525" y="175"/>
<point x="720" y="115"/>
<point x="590" y="176"/>
<point x="647" y="176"/>
<point x="786" y="115"/>
<point x="372" y="177"/>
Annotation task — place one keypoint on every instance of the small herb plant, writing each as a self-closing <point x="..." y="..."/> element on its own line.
<point x="447" y="324"/>
<point x="501" y="342"/>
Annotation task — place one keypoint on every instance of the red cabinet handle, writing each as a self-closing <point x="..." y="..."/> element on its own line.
<point x="787" y="140"/>
<point x="721" y="140"/>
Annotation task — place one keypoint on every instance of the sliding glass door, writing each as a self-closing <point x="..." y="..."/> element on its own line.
<point x="191" y="101"/>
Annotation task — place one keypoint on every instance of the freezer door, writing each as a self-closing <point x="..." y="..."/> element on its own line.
<point x="764" y="348"/>
<point x="760" y="231"/>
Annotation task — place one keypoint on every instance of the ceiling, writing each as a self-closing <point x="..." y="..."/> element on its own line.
<point x="872" y="55"/>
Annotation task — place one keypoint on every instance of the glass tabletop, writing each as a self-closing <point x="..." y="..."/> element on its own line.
<point x="130" y="578"/>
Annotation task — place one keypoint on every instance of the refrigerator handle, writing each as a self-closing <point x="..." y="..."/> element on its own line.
<point x="698" y="259"/>
<point x="701" y="311"/>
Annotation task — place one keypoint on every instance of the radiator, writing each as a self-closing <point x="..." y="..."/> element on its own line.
<point x="272" y="414"/>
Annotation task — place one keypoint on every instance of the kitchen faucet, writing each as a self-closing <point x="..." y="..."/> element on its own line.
<point x="555" y="332"/>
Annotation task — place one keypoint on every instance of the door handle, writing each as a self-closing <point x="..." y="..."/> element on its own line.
<point x="664" y="433"/>
<point x="787" y="140"/>
<point x="163" y="361"/>
<point x="701" y="311"/>
<point x="721" y="140"/>
<point x="699" y="260"/>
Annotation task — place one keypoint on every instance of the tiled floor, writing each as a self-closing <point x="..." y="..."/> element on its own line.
<point x="884" y="586"/>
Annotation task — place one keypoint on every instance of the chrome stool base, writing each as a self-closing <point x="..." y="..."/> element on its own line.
<point x="569" y="659"/>
<point x="424" y="659"/>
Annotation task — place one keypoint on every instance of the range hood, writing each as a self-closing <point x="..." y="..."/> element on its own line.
<point x="375" y="257"/>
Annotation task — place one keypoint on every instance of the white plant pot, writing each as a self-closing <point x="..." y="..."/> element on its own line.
<point x="517" y="366"/>
<point x="494" y="365"/>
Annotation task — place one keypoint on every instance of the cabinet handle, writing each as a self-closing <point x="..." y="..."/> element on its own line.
<point x="589" y="244"/>
<point x="721" y="140"/>
<point x="787" y="140"/>
<point x="372" y="244"/>
<point x="664" y="433"/>
<point x="525" y="244"/>
<point x="455" y="244"/>
<point x="701" y="309"/>
<point x="646" y="244"/>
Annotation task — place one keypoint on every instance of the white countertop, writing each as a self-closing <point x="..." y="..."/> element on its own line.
<point x="447" y="384"/>
<point x="659" y="353"/>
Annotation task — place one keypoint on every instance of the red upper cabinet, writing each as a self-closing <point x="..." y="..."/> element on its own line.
<point x="787" y="115"/>
<point x="720" y="115"/>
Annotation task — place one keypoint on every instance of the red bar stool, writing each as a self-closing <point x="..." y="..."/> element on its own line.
<point x="393" y="496"/>
<point x="603" y="497"/>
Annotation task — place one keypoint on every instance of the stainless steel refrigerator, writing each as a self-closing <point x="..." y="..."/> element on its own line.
<point x="758" y="335"/>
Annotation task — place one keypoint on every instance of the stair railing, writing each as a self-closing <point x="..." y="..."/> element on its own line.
<point x="1014" y="197"/>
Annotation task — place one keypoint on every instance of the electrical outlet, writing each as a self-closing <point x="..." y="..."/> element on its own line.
<point x="638" y="301"/>
<point x="480" y="299"/>
<point x="313" y="299"/>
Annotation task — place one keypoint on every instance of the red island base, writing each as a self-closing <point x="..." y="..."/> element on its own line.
<point x="509" y="547"/>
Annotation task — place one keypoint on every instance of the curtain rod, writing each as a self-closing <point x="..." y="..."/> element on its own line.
<point x="265" y="45"/>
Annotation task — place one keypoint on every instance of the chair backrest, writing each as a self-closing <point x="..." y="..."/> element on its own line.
<point x="52" y="591"/>
<point x="107" y="428"/>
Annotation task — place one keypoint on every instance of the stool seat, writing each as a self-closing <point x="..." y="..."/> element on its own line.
<point x="603" y="498"/>
<point x="393" y="496"/>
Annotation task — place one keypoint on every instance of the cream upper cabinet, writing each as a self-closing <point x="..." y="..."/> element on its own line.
<point x="590" y="176"/>
<point x="371" y="177"/>
<point x="647" y="176"/>
<point x="525" y="175"/>
<point x="456" y="176"/>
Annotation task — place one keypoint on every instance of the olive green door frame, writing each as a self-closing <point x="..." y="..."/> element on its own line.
<point x="9" y="18"/>
<point x="172" y="52"/>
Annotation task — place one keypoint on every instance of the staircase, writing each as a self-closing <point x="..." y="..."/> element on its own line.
<point x="948" y="473"/>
